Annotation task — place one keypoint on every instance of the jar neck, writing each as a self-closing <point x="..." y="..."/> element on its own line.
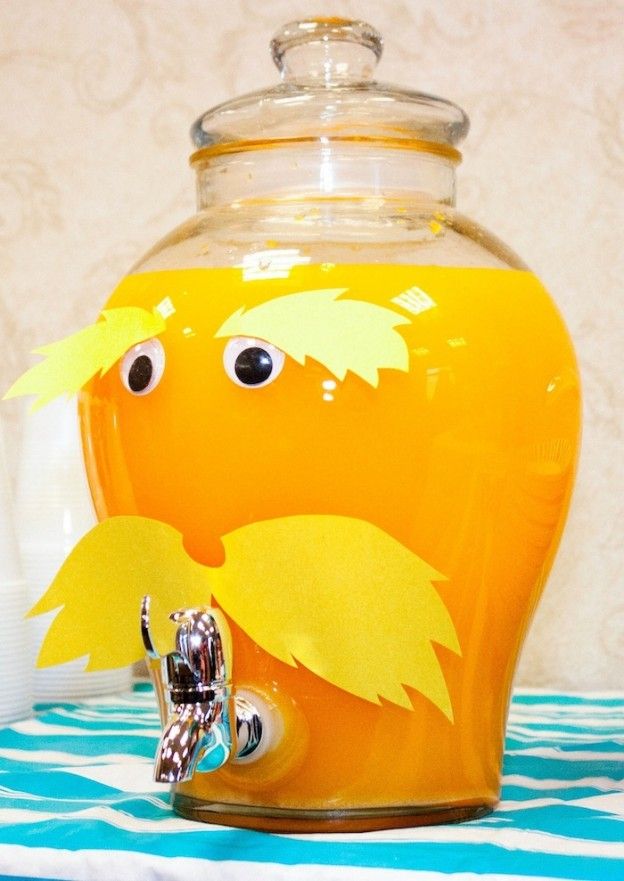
<point x="323" y="169"/>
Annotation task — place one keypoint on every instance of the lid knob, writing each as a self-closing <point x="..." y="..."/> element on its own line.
<point x="326" y="51"/>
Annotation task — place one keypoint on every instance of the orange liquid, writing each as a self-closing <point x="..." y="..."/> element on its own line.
<point x="468" y="459"/>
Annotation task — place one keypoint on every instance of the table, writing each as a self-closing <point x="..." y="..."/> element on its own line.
<point x="77" y="802"/>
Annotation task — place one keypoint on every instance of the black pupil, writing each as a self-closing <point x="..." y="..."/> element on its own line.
<point x="253" y="365"/>
<point x="140" y="373"/>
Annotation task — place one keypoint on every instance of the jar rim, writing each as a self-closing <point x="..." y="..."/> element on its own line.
<point x="420" y="145"/>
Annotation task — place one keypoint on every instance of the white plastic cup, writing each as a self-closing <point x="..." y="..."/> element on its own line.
<point x="16" y="695"/>
<point x="54" y="511"/>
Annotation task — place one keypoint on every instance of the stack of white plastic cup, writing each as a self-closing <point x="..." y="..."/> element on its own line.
<point x="54" y="511"/>
<point x="16" y="696"/>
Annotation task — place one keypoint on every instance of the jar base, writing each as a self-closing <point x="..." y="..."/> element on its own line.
<point x="267" y="819"/>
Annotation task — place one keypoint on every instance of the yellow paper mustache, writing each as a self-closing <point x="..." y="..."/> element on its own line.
<point x="335" y="594"/>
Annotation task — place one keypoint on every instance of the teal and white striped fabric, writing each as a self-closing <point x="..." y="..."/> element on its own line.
<point x="77" y="802"/>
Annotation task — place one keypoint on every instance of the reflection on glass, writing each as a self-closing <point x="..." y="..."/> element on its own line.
<point x="329" y="386"/>
<point x="415" y="300"/>
<point x="166" y="307"/>
<point x="275" y="263"/>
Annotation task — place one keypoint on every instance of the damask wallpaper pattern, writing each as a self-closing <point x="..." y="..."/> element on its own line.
<point x="96" y="100"/>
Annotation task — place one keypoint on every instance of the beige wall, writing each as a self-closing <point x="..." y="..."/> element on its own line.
<point x="96" y="97"/>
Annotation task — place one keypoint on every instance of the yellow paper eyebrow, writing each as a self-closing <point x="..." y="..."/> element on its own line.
<point x="71" y="362"/>
<point x="342" y="335"/>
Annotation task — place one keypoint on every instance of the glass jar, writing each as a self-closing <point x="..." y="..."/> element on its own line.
<point x="383" y="387"/>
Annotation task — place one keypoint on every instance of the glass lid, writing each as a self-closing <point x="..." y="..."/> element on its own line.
<point x="327" y="93"/>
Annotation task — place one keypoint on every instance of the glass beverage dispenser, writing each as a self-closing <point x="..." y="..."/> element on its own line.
<point x="361" y="412"/>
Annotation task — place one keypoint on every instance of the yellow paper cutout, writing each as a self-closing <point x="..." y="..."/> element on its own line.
<point x="71" y="362"/>
<point x="335" y="594"/>
<point x="100" y="587"/>
<point x="343" y="598"/>
<point x="341" y="335"/>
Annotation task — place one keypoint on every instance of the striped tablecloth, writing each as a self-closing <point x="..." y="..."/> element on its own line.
<point x="77" y="802"/>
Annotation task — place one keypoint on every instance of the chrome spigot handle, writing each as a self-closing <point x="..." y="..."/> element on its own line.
<point x="146" y="636"/>
<point x="203" y="721"/>
<point x="201" y="660"/>
<point x="202" y="641"/>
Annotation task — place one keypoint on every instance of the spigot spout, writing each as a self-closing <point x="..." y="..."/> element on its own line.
<point x="200" y="715"/>
<point x="192" y="737"/>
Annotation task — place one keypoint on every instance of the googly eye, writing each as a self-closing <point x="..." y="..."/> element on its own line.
<point x="142" y="367"/>
<point x="252" y="363"/>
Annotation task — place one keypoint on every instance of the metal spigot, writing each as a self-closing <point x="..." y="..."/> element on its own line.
<point x="205" y="725"/>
